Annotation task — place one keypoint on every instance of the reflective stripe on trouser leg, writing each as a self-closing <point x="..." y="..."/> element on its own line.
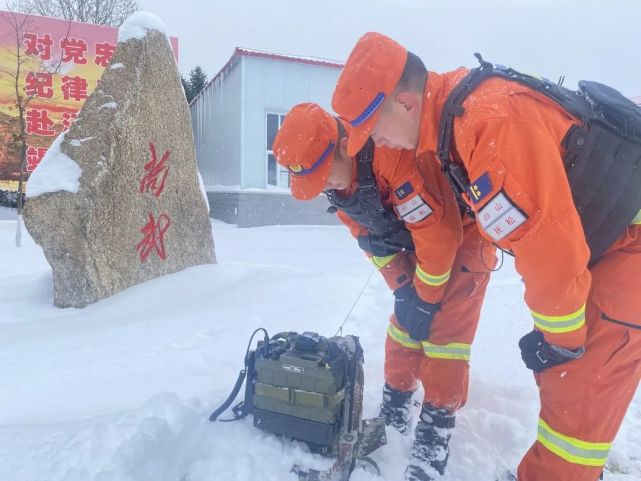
<point x="571" y="449"/>
<point x="402" y="337"/>
<point x="454" y="350"/>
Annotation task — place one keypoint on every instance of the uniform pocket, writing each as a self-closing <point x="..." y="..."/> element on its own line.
<point x="472" y="282"/>
<point x="624" y="341"/>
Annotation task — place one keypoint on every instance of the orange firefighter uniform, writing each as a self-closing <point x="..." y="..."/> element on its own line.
<point x="509" y="141"/>
<point x="451" y="264"/>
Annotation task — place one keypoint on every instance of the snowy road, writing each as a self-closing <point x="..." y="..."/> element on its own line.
<point x="121" y="390"/>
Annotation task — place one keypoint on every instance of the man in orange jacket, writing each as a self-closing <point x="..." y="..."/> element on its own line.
<point x="558" y="192"/>
<point x="436" y="263"/>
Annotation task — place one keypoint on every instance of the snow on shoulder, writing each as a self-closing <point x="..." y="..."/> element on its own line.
<point x="56" y="171"/>
<point x="138" y="24"/>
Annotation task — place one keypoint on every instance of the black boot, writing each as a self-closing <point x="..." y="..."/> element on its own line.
<point x="395" y="408"/>
<point x="430" y="450"/>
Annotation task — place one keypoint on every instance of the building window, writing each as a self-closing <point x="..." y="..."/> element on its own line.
<point x="276" y="175"/>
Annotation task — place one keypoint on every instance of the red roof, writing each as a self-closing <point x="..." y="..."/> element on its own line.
<point x="246" y="52"/>
<point x="289" y="58"/>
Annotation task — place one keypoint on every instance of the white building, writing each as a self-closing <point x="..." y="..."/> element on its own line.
<point x="235" y="119"/>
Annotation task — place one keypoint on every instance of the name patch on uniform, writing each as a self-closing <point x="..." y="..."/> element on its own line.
<point x="404" y="190"/>
<point x="480" y="188"/>
<point x="500" y="217"/>
<point x="413" y="210"/>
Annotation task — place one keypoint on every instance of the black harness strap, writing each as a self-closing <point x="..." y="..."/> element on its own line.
<point x="246" y="406"/>
<point x="387" y="233"/>
<point x="454" y="108"/>
<point x="603" y="155"/>
<point x="368" y="194"/>
<point x="230" y="399"/>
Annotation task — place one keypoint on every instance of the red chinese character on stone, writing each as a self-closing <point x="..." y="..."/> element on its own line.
<point x="498" y="206"/>
<point x="153" y="240"/>
<point x="34" y="156"/>
<point x="104" y="52"/>
<point x="40" y="46"/>
<point x="73" y="50"/>
<point x="486" y="216"/>
<point x="510" y="220"/>
<point x="498" y="230"/>
<point x="74" y="88"/>
<point x="39" y="84"/>
<point x="39" y="123"/>
<point x="155" y="173"/>
<point x="67" y="118"/>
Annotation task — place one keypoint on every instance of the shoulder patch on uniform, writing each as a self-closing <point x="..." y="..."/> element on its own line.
<point x="480" y="188"/>
<point x="500" y="216"/>
<point x="404" y="190"/>
<point x="413" y="210"/>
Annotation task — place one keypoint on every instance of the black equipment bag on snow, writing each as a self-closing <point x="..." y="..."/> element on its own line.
<point x="603" y="154"/>
<point x="294" y="387"/>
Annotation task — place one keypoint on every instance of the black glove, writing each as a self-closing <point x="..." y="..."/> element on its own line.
<point x="375" y="246"/>
<point x="363" y="243"/>
<point x="402" y="297"/>
<point x="539" y="355"/>
<point x="419" y="318"/>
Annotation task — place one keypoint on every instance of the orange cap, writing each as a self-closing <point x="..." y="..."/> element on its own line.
<point x="305" y="146"/>
<point x="371" y="74"/>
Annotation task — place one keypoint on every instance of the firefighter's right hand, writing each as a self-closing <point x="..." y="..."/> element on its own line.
<point x="419" y="319"/>
<point x="375" y="246"/>
<point x="402" y="298"/>
<point x="538" y="355"/>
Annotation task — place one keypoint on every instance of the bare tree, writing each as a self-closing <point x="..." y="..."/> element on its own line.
<point x="101" y="12"/>
<point x="19" y="24"/>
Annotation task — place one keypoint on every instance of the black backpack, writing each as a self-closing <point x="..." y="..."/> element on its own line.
<point x="603" y="154"/>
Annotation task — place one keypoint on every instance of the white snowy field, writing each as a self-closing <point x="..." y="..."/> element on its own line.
<point x="121" y="390"/>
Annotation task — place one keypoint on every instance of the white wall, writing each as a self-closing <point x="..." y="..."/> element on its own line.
<point x="275" y="86"/>
<point x="216" y="121"/>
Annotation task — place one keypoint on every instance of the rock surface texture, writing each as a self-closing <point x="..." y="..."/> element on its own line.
<point x="137" y="210"/>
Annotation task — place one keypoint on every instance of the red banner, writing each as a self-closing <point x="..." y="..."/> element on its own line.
<point x="61" y="63"/>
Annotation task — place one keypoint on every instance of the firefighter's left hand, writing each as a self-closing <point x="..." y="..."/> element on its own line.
<point x="419" y="318"/>
<point x="403" y="297"/>
<point x="539" y="355"/>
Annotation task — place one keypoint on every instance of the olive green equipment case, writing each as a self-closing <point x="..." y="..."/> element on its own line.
<point x="310" y="388"/>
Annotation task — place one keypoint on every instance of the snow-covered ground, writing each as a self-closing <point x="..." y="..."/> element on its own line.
<point x="7" y="214"/>
<point x="121" y="390"/>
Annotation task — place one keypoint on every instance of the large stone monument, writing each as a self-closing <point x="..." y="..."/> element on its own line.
<point x="118" y="200"/>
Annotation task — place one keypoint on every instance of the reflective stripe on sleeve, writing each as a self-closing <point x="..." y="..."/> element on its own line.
<point x="454" y="350"/>
<point x="432" y="280"/>
<point x="571" y="449"/>
<point x="402" y="337"/>
<point x="381" y="262"/>
<point x="560" y="324"/>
